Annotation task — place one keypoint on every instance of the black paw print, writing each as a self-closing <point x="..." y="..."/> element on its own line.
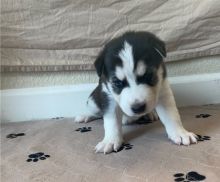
<point x="125" y="146"/>
<point x="190" y="176"/>
<point x="84" y="129"/>
<point x="14" y="135"/>
<point x="203" y="115"/>
<point x="201" y="138"/>
<point x="37" y="156"/>
<point x="58" y="118"/>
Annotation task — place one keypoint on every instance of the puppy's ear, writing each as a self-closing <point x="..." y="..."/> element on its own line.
<point x="99" y="63"/>
<point x="160" y="47"/>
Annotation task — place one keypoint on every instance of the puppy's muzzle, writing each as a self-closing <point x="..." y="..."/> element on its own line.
<point x="138" y="108"/>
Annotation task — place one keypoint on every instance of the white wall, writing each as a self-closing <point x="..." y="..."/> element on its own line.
<point x="68" y="101"/>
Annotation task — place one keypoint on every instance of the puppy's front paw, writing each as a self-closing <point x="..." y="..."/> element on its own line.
<point x="108" y="145"/>
<point x="182" y="136"/>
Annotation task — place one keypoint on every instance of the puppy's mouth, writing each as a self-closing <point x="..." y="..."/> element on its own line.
<point x="137" y="110"/>
<point x="135" y="115"/>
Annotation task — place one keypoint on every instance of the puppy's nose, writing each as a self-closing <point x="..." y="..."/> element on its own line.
<point x="138" y="108"/>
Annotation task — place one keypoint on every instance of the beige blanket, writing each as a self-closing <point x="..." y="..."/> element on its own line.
<point x="53" y="151"/>
<point x="67" y="35"/>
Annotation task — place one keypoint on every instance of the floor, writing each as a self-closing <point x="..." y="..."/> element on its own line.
<point x="58" y="150"/>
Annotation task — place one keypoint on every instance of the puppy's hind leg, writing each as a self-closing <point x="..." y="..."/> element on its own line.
<point x="92" y="112"/>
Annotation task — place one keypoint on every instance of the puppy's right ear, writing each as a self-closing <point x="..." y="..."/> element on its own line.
<point x="99" y="63"/>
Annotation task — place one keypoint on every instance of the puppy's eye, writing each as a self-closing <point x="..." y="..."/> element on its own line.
<point x="117" y="83"/>
<point x="149" y="78"/>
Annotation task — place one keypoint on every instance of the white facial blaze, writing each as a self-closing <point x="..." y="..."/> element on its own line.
<point x="126" y="56"/>
<point x="134" y="93"/>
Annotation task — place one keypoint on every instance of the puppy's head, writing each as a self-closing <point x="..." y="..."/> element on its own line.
<point x="131" y="68"/>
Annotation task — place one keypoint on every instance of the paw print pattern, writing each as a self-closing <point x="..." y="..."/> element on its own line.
<point x="14" y="135"/>
<point x="125" y="146"/>
<point x="203" y="115"/>
<point x="37" y="156"/>
<point x="202" y="138"/>
<point x="190" y="176"/>
<point x="84" y="129"/>
<point x="58" y="118"/>
<point x="179" y="177"/>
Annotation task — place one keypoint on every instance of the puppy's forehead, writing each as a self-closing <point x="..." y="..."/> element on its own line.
<point x="126" y="55"/>
<point x="133" y="62"/>
<point x="130" y="66"/>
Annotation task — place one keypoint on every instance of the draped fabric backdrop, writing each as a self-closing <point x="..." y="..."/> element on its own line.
<point x="57" y="35"/>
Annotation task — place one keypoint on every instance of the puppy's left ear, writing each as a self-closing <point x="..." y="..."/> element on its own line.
<point x="99" y="63"/>
<point x="160" y="47"/>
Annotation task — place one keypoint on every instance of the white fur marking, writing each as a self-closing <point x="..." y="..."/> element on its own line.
<point x="141" y="68"/>
<point x="119" y="73"/>
<point x="126" y="56"/>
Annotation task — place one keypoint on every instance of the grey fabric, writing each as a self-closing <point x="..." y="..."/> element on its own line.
<point x="67" y="35"/>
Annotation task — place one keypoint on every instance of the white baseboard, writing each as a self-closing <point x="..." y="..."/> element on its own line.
<point x="68" y="101"/>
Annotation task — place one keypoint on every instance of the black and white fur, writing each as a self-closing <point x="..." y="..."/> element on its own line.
<point x="132" y="79"/>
